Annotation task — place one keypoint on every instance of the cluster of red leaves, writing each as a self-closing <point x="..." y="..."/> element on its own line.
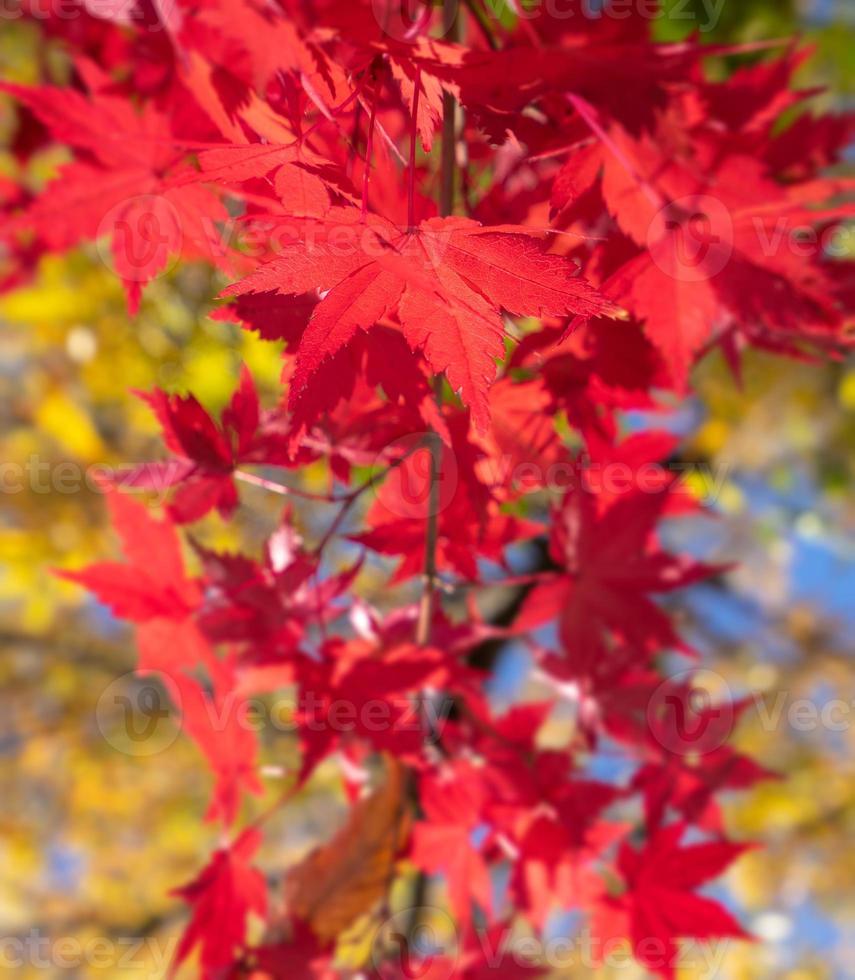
<point x="620" y="215"/>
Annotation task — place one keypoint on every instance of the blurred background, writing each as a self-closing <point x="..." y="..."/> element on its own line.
<point x="93" y="835"/>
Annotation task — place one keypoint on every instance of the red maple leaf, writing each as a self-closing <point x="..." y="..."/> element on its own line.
<point x="714" y="225"/>
<point x="446" y="281"/>
<point x="661" y="905"/>
<point x="453" y="801"/>
<point x="688" y="786"/>
<point x="610" y="565"/>
<point x="222" y="897"/>
<point x="362" y="690"/>
<point x="470" y="521"/>
<point x="268" y="605"/>
<point x="119" y="185"/>
<point x="220" y="726"/>
<point x="153" y="583"/>
<point x="206" y="455"/>
<point x="302" y="955"/>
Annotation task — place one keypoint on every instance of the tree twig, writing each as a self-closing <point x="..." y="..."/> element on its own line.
<point x="448" y="160"/>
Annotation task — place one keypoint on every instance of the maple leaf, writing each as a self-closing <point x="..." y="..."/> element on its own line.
<point x="152" y="584"/>
<point x="446" y="280"/>
<point x="222" y="897"/>
<point x="689" y="786"/>
<point x="272" y="316"/>
<point x="661" y="904"/>
<point x="151" y="590"/>
<point x="273" y="43"/>
<point x="118" y="187"/>
<point x="610" y="567"/>
<point x="453" y="801"/>
<point x="522" y="446"/>
<point x="470" y="522"/>
<point x="627" y="80"/>
<point x="549" y="873"/>
<point x="219" y="727"/>
<point x="380" y="689"/>
<point x="594" y="372"/>
<point x="342" y="880"/>
<point x="381" y="358"/>
<point x="708" y="218"/>
<point x="300" y="955"/>
<point x="206" y="455"/>
<point x="268" y="605"/>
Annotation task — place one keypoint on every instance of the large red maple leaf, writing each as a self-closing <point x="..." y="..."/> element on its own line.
<point x="446" y="281"/>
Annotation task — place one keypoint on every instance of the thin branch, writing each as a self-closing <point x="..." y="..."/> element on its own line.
<point x="411" y="167"/>
<point x="480" y="17"/>
<point x="451" y="31"/>
<point x="448" y="161"/>
<point x="428" y="598"/>
<point x="350" y="498"/>
<point x="369" y="148"/>
<point x="285" y="491"/>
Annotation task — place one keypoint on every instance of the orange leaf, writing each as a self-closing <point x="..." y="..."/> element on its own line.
<point x="341" y="880"/>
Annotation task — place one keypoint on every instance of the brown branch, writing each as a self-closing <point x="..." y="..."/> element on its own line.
<point x="448" y="161"/>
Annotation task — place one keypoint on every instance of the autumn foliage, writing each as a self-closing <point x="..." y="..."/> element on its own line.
<point x="492" y="246"/>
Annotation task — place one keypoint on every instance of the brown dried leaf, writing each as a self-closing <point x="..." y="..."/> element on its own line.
<point x="342" y="880"/>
